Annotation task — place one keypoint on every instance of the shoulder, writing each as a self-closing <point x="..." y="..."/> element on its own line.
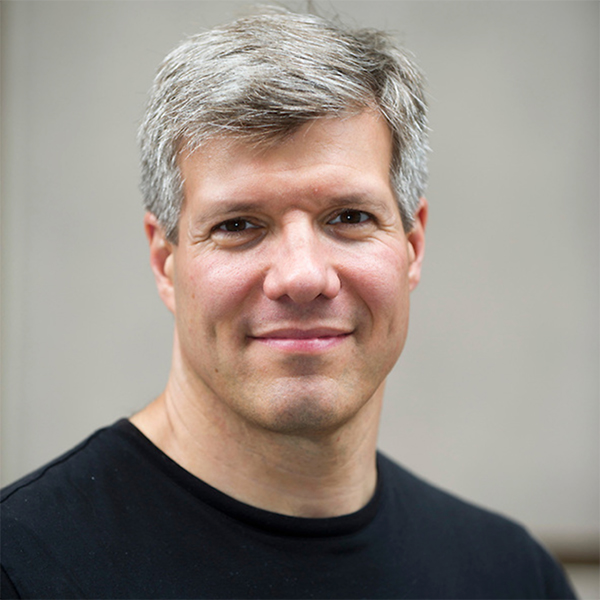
<point x="73" y="469"/>
<point x="54" y="512"/>
<point x="95" y="477"/>
<point x="433" y="507"/>
<point x="473" y="542"/>
<point x="51" y="497"/>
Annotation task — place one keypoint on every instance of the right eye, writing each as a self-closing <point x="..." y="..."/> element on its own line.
<point x="235" y="225"/>
<point x="237" y="232"/>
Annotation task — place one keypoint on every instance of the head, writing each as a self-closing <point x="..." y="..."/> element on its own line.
<point x="261" y="78"/>
<point x="284" y="162"/>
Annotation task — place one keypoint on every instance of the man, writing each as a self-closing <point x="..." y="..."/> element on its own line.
<point x="283" y="163"/>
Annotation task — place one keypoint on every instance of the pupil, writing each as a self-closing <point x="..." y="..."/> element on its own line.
<point x="235" y="225"/>
<point x="351" y="216"/>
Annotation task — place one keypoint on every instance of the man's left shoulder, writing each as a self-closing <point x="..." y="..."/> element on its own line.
<point x="434" y="508"/>
<point x="472" y="541"/>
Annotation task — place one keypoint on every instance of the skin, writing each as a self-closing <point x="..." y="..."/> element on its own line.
<point x="290" y="288"/>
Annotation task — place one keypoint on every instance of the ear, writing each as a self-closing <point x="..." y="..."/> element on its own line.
<point x="161" y="260"/>
<point x="416" y="244"/>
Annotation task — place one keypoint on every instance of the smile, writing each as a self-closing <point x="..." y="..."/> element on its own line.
<point x="303" y="341"/>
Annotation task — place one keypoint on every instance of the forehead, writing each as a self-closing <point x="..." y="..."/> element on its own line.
<point x="350" y="155"/>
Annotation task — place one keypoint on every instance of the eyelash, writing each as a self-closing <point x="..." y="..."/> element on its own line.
<point x="222" y="227"/>
<point x="351" y="212"/>
<point x="243" y="224"/>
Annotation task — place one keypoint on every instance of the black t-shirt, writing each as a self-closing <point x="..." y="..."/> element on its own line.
<point x="117" y="518"/>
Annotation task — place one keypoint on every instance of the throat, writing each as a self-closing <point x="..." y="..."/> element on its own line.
<point x="319" y="477"/>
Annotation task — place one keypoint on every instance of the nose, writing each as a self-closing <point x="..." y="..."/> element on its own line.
<point x="300" y="268"/>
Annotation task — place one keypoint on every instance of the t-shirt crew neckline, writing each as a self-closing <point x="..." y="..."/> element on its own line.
<point x="271" y="522"/>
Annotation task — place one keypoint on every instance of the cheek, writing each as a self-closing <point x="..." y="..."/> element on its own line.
<point x="212" y="290"/>
<point x="381" y="279"/>
<point x="381" y="282"/>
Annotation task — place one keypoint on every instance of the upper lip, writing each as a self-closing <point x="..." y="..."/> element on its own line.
<point x="301" y="334"/>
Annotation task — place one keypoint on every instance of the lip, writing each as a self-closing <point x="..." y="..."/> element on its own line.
<point x="305" y="341"/>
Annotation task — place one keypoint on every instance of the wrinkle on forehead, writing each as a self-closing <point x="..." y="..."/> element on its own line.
<point x="317" y="155"/>
<point x="319" y="134"/>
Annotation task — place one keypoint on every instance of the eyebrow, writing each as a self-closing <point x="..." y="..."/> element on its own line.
<point x="234" y="208"/>
<point x="225" y="209"/>
<point x="363" y="201"/>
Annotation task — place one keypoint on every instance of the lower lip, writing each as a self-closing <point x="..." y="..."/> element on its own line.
<point x="304" y="345"/>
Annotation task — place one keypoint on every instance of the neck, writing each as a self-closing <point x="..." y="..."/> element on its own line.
<point x="323" y="474"/>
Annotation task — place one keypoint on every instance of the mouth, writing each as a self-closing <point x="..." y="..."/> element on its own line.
<point x="303" y="341"/>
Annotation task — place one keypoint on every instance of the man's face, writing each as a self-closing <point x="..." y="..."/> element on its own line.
<point x="290" y="281"/>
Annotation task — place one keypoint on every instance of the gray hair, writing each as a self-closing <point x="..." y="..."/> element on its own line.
<point x="262" y="77"/>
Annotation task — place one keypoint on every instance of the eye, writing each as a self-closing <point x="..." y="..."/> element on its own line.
<point x="351" y="217"/>
<point x="237" y="232"/>
<point x="235" y="225"/>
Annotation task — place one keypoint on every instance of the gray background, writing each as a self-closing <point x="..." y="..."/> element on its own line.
<point x="496" y="394"/>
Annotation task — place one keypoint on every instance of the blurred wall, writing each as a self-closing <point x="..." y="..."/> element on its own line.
<point x="496" y="394"/>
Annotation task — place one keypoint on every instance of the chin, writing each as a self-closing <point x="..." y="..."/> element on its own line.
<point x="305" y="408"/>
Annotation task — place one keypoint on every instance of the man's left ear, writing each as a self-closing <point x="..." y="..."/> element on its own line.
<point x="416" y="244"/>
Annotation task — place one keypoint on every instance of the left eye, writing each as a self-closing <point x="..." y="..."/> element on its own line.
<point x="350" y="217"/>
